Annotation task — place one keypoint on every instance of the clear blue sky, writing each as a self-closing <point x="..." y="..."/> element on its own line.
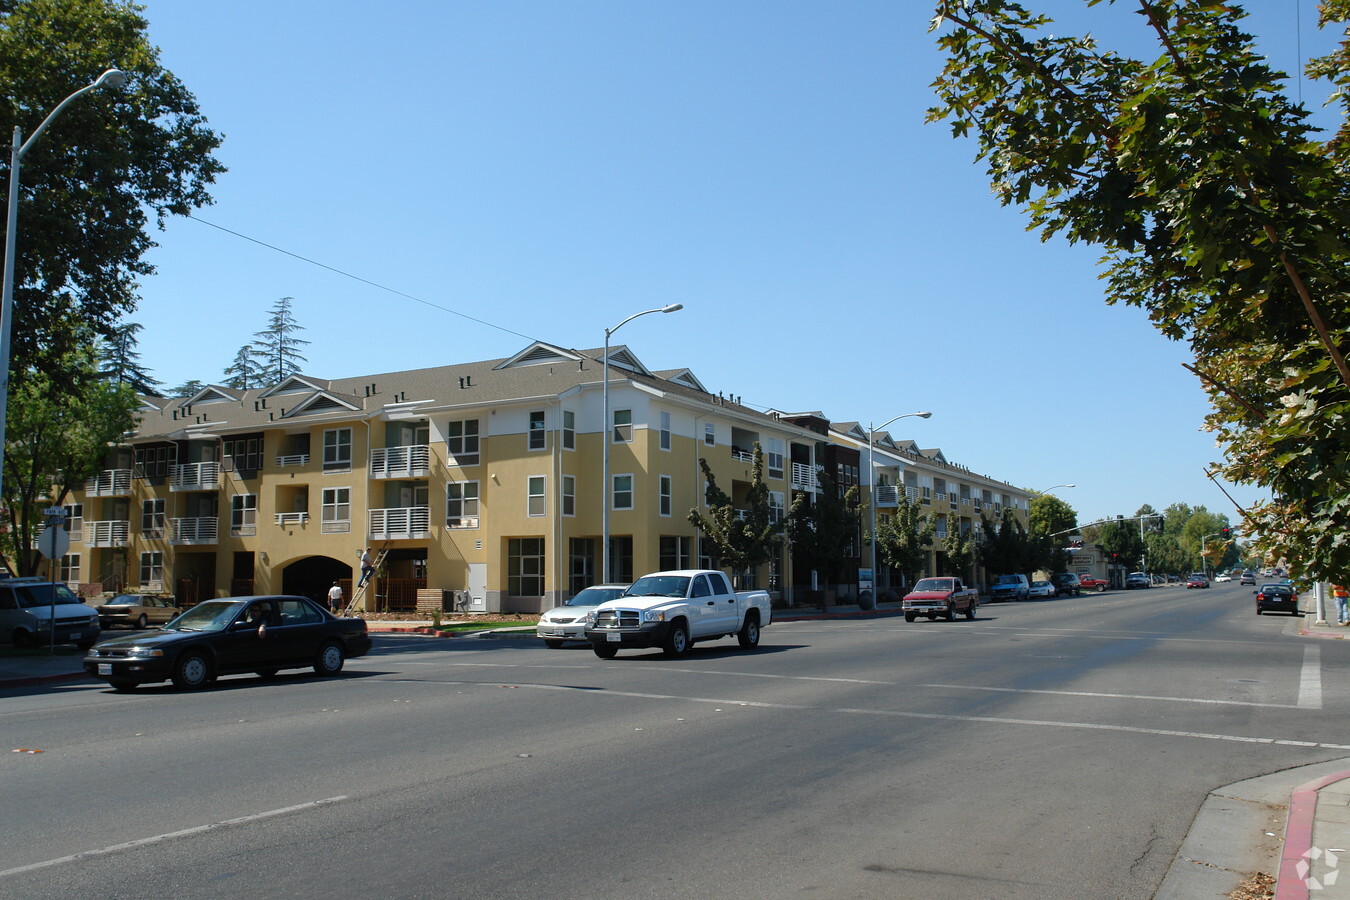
<point x="550" y="168"/>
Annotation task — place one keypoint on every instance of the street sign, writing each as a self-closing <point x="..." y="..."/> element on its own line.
<point x="54" y="542"/>
<point x="55" y="511"/>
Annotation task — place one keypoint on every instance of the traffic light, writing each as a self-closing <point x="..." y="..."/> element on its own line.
<point x="1161" y="521"/>
<point x="1226" y="533"/>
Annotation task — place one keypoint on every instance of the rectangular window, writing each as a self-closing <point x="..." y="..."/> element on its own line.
<point x="525" y="567"/>
<point x="538" y="437"/>
<point x="337" y="449"/>
<point x="623" y="492"/>
<point x="154" y="462"/>
<point x="620" y="559"/>
<point x="773" y="457"/>
<point x="665" y="431"/>
<point x="665" y="489"/>
<point x="152" y="518"/>
<point x="70" y="568"/>
<point x="707" y="554"/>
<point x="710" y="435"/>
<point x="569" y="495"/>
<point x="243" y="514"/>
<point x="674" y="552"/>
<point x="461" y="504"/>
<point x="336" y="510"/>
<point x="152" y="569"/>
<point x="623" y="426"/>
<point x="242" y="454"/>
<point x="569" y="430"/>
<point x="536" y="504"/>
<point x="581" y="556"/>
<point x="777" y="506"/>
<point x="461" y="442"/>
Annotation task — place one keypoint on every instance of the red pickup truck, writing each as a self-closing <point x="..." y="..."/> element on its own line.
<point x="1091" y="583"/>
<point x="933" y="597"/>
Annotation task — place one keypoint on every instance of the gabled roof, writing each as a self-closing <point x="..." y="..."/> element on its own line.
<point x="934" y="453"/>
<point x="538" y="354"/>
<point x="684" y="377"/>
<point x="320" y="402"/>
<point x="214" y="393"/>
<point x="620" y="357"/>
<point x="295" y="384"/>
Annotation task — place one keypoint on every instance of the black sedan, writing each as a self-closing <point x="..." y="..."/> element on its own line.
<point x="1276" y="597"/>
<point x="225" y="637"/>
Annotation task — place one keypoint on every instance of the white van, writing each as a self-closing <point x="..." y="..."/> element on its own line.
<point x="26" y="614"/>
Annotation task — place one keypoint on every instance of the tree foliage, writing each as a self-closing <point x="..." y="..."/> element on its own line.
<point x="1007" y="548"/>
<point x="823" y="528"/>
<point x="745" y="537"/>
<point x="245" y="372"/>
<point x="277" y="349"/>
<point x="902" y="539"/>
<point x="92" y="181"/>
<point x="959" y="549"/>
<point x="120" y="361"/>
<point x="1216" y="211"/>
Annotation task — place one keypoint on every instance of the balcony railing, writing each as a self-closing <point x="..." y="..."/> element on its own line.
<point x="111" y="533"/>
<point x="202" y="476"/>
<point x="400" y="522"/>
<point x="912" y="494"/>
<point x="75" y="527"/>
<point x="401" y="462"/>
<point x="888" y="496"/>
<point x="109" y="483"/>
<point x="335" y="526"/>
<point x="462" y="522"/>
<point x="292" y="518"/>
<point x="742" y="455"/>
<point x="198" y="530"/>
<point x="293" y="459"/>
<point x="804" y="477"/>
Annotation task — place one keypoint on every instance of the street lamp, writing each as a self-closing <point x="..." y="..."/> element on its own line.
<point x="872" y="489"/>
<point x="606" y="436"/>
<point x="1053" y="486"/>
<point x="113" y="78"/>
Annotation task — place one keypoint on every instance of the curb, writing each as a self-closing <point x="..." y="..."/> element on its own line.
<point x="35" y="680"/>
<point x="1290" y="883"/>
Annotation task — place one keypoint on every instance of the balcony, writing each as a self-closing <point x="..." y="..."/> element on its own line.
<point x="112" y="533"/>
<point x="400" y="522"/>
<point x="195" y="531"/>
<point x="202" y="476"/>
<point x="804" y="477"/>
<point x="109" y="483"/>
<point x="888" y="496"/>
<point x="462" y="522"/>
<point x="740" y="455"/>
<point x="401" y="462"/>
<point x="292" y="518"/>
<point x="293" y="459"/>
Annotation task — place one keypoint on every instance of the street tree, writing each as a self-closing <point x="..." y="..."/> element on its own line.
<point x="120" y="361"/>
<point x="745" y="535"/>
<point x="823" y="528"/>
<point x="277" y="349"/>
<point x="1217" y="210"/>
<point x="902" y="540"/>
<point x="959" y="548"/>
<point x="90" y="187"/>
<point x="1007" y="548"/>
<point x="1121" y="542"/>
<point x="58" y="439"/>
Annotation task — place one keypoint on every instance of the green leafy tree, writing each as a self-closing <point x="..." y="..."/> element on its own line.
<point x="277" y="349"/>
<point x="745" y="537"/>
<point x="1218" y="213"/>
<point x="823" y="528"/>
<point x="903" y="539"/>
<point x="90" y="186"/>
<point x="120" y="361"/>
<point x="61" y="438"/>
<point x="959" y="548"/>
<point x="1007" y="548"/>
<point x="1121" y="538"/>
<point x="1050" y="519"/>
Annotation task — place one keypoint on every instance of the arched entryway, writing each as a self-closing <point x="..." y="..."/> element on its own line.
<point x="312" y="577"/>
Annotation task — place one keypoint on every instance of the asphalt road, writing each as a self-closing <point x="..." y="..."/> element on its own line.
<point x="1048" y="749"/>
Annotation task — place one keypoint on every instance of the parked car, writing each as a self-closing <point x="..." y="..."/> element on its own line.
<point x="1220" y="579"/>
<point x="136" y="611"/>
<point x="945" y="596"/>
<point x="1066" y="583"/>
<point x="672" y="610"/>
<point x="568" y="622"/>
<point x="1137" y="580"/>
<point x="223" y="637"/>
<point x="1041" y="589"/>
<point x="1276" y="596"/>
<point x="1248" y="578"/>
<point x="1009" y="587"/>
<point x="1092" y="583"/>
<point x="1197" y="580"/>
<point x="26" y="611"/>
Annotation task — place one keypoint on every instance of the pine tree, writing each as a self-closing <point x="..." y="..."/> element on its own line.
<point x="277" y="346"/>
<point x="120" y="361"/>
<point x="244" y="372"/>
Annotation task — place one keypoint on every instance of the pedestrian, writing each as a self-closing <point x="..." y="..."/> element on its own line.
<point x="335" y="597"/>
<point x="367" y="567"/>
<point x="1342" y="597"/>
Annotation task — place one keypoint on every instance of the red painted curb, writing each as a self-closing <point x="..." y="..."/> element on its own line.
<point x="1289" y="885"/>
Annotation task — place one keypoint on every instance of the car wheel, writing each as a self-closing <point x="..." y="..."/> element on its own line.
<point x="23" y="639"/>
<point x="748" y="636"/>
<point x="123" y="686"/>
<point x="1101" y="588"/>
<point x="330" y="659"/>
<point x="1258" y="610"/>
<point x="951" y="614"/>
<point x="553" y="645"/>
<point x="677" y="642"/>
<point x="970" y="612"/>
<point x="267" y="674"/>
<point x="193" y="670"/>
<point x="605" y="651"/>
<point x="141" y="622"/>
<point x="909" y="617"/>
<point x="84" y="646"/>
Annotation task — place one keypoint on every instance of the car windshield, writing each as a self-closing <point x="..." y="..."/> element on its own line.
<point x="40" y="594"/>
<point x="1275" y="589"/>
<point x="213" y="615"/>
<point x="933" y="584"/>
<point x="124" y="600"/>
<point x="659" y="586"/>
<point x="1008" y="579"/>
<point x="592" y="596"/>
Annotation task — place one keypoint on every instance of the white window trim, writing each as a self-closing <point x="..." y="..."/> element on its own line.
<point x="665" y="496"/>
<point x="542" y="495"/>
<point x="542" y="431"/>
<point x="569" y="433"/>
<point x="631" y="492"/>
<point x="565" y="495"/>
<point x="664" y="441"/>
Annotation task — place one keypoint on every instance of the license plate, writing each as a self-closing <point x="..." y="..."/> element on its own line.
<point x="74" y="635"/>
<point x="613" y="638"/>
<point x="105" y="668"/>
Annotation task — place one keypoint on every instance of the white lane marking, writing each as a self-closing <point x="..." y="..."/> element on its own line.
<point x="159" y="838"/>
<point x="1310" y="679"/>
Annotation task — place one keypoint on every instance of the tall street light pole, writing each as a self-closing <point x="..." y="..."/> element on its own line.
<point x="606" y="437"/>
<point x="1053" y="486"/>
<point x="872" y="491"/>
<point x="112" y="78"/>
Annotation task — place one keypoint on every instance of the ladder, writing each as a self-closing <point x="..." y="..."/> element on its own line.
<point x="359" y="592"/>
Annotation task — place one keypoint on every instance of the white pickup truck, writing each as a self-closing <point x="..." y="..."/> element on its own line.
<point x="672" y="610"/>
